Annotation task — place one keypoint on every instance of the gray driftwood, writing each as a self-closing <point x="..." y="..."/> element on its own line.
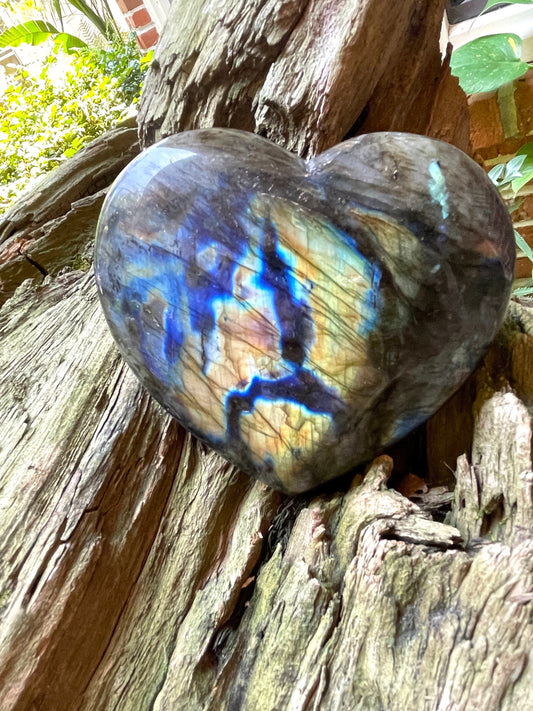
<point x="139" y="571"/>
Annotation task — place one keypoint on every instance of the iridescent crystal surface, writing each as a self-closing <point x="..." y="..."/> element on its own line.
<point x="299" y="317"/>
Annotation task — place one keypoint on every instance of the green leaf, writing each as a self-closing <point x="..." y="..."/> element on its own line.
<point x="526" y="150"/>
<point x="147" y="58"/>
<point x="519" y="183"/>
<point x="49" y="114"/>
<point x="526" y="169"/>
<point x="103" y="26"/>
<point x="36" y="32"/>
<point x="523" y="245"/>
<point x="524" y="290"/>
<point x="513" y="169"/>
<point x="69" y="43"/>
<point x="497" y="173"/>
<point x="486" y="63"/>
<point x="491" y="3"/>
<point x="56" y="4"/>
<point x="33" y="32"/>
<point x="504" y="173"/>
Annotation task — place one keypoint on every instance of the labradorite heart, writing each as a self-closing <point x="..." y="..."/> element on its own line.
<point x="299" y="317"/>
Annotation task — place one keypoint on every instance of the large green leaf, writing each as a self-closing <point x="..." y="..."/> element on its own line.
<point x="36" y="32"/>
<point x="58" y="12"/>
<point x="69" y="43"/>
<point x="488" y="62"/>
<point x="491" y="3"/>
<point x="32" y="32"/>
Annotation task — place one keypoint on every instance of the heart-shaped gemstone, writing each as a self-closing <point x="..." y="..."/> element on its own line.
<point x="299" y="317"/>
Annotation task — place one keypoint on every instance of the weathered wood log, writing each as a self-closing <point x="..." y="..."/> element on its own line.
<point x="140" y="571"/>
<point x="299" y="72"/>
<point x="138" y="558"/>
<point x="51" y="225"/>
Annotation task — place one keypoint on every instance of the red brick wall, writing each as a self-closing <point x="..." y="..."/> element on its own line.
<point x="139" y="19"/>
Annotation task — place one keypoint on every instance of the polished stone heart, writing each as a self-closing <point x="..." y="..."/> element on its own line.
<point x="299" y="317"/>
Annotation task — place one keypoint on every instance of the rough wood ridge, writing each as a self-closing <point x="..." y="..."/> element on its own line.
<point x="300" y="72"/>
<point x="138" y="571"/>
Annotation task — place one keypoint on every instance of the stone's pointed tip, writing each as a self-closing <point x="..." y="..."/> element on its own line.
<point x="301" y="318"/>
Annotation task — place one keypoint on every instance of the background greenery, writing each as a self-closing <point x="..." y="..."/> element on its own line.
<point x="48" y="114"/>
<point x="493" y="63"/>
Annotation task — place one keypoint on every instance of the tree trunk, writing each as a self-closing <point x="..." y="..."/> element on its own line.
<point x="141" y="571"/>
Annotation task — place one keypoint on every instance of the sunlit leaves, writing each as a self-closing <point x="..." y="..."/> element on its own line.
<point x="486" y="63"/>
<point x="36" y="32"/>
<point x="33" y="32"/>
<point x="46" y="118"/>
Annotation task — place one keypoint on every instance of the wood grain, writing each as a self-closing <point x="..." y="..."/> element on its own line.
<point x="299" y="72"/>
<point x="139" y="571"/>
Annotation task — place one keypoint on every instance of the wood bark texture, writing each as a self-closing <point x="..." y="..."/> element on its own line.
<point x="51" y="226"/>
<point x="138" y="570"/>
<point x="303" y="73"/>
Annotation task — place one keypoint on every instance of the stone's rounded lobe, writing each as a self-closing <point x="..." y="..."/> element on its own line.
<point x="299" y="317"/>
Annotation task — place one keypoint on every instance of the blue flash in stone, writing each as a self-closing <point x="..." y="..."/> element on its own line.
<point x="437" y="188"/>
<point x="299" y="317"/>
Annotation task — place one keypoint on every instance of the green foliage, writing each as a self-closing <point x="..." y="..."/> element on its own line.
<point x="515" y="173"/>
<point x="512" y="176"/>
<point x="46" y="118"/>
<point x="526" y="167"/>
<point x="36" y="32"/>
<point x="101" y="18"/>
<point x="123" y="61"/>
<point x="487" y="63"/>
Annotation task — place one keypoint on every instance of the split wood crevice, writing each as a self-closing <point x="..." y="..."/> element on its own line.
<point x="302" y="72"/>
<point x="139" y="571"/>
